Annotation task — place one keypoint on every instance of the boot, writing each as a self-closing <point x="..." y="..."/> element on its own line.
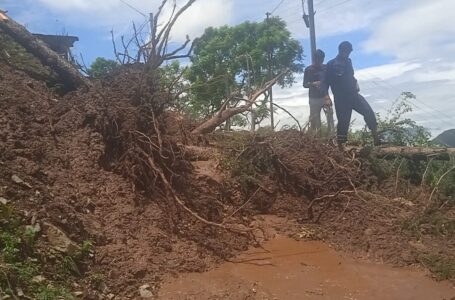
<point x="341" y="147"/>
<point x="376" y="138"/>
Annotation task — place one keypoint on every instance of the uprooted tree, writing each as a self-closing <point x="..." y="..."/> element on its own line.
<point x="239" y="58"/>
<point x="67" y="73"/>
<point x="226" y="112"/>
<point x="151" y="47"/>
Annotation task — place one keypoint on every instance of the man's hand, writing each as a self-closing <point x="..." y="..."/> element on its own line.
<point x="316" y="84"/>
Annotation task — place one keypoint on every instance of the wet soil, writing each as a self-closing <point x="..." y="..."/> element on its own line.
<point x="288" y="269"/>
<point x="68" y="149"/>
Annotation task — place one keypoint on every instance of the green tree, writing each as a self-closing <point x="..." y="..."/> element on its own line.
<point x="172" y="79"/>
<point x="101" y="67"/>
<point x="229" y="59"/>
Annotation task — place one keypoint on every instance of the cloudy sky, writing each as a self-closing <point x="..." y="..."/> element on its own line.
<point x="399" y="45"/>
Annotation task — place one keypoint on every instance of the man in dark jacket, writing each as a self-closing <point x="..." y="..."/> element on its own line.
<point x="319" y="98"/>
<point x="339" y="76"/>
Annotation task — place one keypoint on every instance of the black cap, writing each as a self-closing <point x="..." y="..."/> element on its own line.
<point x="345" y="46"/>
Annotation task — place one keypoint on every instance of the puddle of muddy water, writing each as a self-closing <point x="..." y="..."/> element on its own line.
<point x="289" y="270"/>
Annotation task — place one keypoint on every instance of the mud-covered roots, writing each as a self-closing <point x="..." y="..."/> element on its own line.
<point x="300" y="165"/>
<point x="138" y="146"/>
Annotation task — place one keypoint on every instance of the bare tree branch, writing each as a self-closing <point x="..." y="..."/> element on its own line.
<point x="225" y="113"/>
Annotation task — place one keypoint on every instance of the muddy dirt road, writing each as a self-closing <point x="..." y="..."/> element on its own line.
<point x="289" y="270"/>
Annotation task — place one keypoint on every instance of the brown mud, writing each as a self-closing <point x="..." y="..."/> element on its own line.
<point x="286" y="269"/>
<point x="84" y="159"/>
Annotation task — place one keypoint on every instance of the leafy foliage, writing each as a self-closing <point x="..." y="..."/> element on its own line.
<point x="22" y="262"/>
<point x="172" y="80"/>
<point x="229" y="59"/>
<point x="102" y="67"/>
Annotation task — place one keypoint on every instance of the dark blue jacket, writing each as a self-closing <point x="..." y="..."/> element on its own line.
<point x="314" y="73"/>
<point x="339" y="75"/>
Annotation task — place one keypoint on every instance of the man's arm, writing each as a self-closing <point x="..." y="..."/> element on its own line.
<point x="306" y="79"/>
<point x="325" y="79"/>
<point x="351" y="70"/>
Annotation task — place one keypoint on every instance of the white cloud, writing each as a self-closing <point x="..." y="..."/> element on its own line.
<point x="419" y="37"/>
<point x="202" y="14"/>
<point x="388" y="71"/>
<point x="421" y="29"/>
<point x="335" y="17"/>
<point x="118" y="15"/>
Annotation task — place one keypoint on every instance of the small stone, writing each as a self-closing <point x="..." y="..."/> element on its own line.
<point x="37" y="227"/>
<point x="18" y="180"/>
<point x="144" y="292"/>
<point x="110" y="296"/>
<point x="59" y="240"/>
<point x="20" y="292"/>
<point x="78" y="294"/>
<point x="418" y="246"/>
<point x="368" y="232"/>
<point x="3" y="201"/>
<point x="38" y="279"/>
<point x="33" y="228"/>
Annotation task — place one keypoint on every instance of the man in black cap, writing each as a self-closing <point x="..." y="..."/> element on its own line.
<point x="319" y="98"/>
<point x="339" y="76"/>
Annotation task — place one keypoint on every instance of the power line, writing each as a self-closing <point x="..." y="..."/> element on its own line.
<point x="133" y="8"/>
<point x="276" y="7"/>
<point x="432" y="112"/>
<point x="333" y="6"/>
<point x="291" y="10"/>
<point x="391" y="87"/>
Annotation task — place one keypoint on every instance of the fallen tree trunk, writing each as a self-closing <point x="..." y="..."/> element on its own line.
<point x="225" y="113"/>
<point x="413" y="153"/>
<point x="69" y="75"/>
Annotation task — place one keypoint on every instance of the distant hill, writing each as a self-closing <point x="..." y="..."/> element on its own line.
<point x="447" y="138"/>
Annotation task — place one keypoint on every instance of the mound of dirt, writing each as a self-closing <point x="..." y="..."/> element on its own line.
<point x="113" y="165"/>
<point x="84" y="161"/>
<point x="339" y="198"/>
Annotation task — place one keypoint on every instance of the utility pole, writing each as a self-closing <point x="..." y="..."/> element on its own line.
<point x="312" y="29"/>
<point x="270" y="57"/>
<point x="228" y="94"/>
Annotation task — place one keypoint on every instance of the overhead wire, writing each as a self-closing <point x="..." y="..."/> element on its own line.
<point x="276" y="7"/>
<point x="333" y="6"/>
<point x="133" y="8"/>
<point x="382" y="83"/>
<point x="388" y="85"/>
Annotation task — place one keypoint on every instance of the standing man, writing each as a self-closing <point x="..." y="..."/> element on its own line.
<point x="319" y="98"/>
<point x="339" y="76"/>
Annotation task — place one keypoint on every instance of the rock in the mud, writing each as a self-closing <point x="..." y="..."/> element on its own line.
<point x="38" y="279"/>
<point x="59" y="240"/>
<point x="3" y="201"/>
<point x="33" y="228"/>
<point x="419" y="246"/>
<point x="368" y="232"/>
<point x="78" y="294"/>
<point x="145" y="292"/>
<point x="16" y="179"/>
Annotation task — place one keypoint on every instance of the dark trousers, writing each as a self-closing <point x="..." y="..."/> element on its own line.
<point x="344" y="105"/>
